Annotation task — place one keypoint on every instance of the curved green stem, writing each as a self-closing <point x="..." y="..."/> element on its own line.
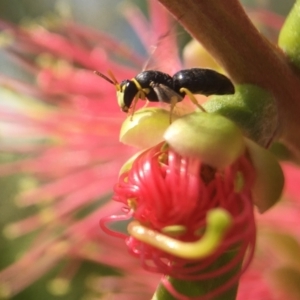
<point x="218" y="223"/>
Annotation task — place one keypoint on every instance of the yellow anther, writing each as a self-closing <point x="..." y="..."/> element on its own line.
<point x="163" y="158"/>
<point x="132" y="203"/>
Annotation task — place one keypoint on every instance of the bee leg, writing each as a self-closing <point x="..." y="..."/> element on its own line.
<point x="166" y="95"/>
<point x="146" y="103"/>
<point x="173" y="102"/>
<point x="141" y="94"/>
<point x="192" y="98"/>
<point x="136" y="99"/>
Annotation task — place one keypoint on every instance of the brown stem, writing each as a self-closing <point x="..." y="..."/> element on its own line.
<point x="226" y="32"/>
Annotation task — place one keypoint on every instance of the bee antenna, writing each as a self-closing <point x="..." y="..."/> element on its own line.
<point x="112" y="76"/>
<point x="111" y="80"/>
<point x="104" y="77"/>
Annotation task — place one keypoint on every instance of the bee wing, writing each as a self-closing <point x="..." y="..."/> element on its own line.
<point x="163" y="53"/>
<point x="165" y="94"/>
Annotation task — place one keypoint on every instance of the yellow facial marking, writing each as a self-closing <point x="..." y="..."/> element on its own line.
<point x="120" y="99"/>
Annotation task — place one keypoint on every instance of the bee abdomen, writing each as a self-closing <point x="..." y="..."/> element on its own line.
<point x="202" y="81"/>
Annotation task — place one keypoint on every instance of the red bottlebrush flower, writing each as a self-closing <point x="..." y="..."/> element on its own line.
<point x="191" y="199"/>
<point x="171" y="195"/>
<point x="78" y="164"/>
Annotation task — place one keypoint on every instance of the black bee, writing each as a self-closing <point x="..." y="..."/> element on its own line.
<point x="158" y="86"/>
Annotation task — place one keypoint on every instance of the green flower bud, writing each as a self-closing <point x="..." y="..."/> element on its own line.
<point x="145" y="128"/>
<point x="212" y="138"/>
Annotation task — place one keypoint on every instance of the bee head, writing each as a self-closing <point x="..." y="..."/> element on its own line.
<point x="126" y="90"/>
<point x="126" y="94"/>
